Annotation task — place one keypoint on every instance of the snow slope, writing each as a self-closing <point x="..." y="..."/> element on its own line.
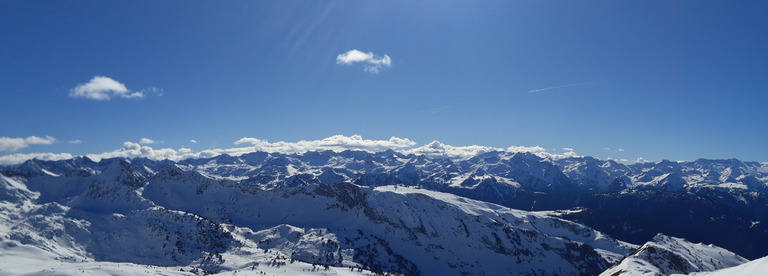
<point x="757" y="267"/>
<point x="666" y="255"/>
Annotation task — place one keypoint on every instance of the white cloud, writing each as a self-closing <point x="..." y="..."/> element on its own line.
<point x="75" y="141"/>
<point x="334" y="143"/>
<point x="146" y="141"/>
<point x="535" y="149"/>
<point x="436" y="149"/>
<point x="14" y="144"/>
<point x="153" y="90"/>
<point x="542" y="152"/>
<point x="568" y="152"/>
<point x="193" y="141"/>
<point x="641" y="160"/>
<point x="620" y="150"/>
<point x="373" y="63"/>
<point x="134" y="150"/>
<point x="18" y="158"/>
<point x="102" y="88"/>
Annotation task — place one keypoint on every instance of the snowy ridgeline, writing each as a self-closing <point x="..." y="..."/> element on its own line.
<point x="145" y="217"/>
<point x="526" y="171"/>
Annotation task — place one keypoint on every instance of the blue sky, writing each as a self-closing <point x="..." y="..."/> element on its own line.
<point x="674" y="80"/>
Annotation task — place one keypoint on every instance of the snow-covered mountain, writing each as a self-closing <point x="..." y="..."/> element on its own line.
<point x="666" y="255"/>
<point x="374" y="212"/>
<point x="160" y="214"/>
<point x="726" y="195"/>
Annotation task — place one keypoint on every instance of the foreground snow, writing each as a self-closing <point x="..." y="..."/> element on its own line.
<point x="666" y="255"/>
<point x="757" y="267"/>
<point x="21" y="259"/>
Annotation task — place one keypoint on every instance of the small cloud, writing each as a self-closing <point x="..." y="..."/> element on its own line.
<point x="567" y="149"/>
<point x="14" y="144"/>
<point x="620" y="150"/>
<point x="606" y="148"/>
<point x="103" y="88"/>
<point x="534" y="149"/>
<point x="193" y="141"/>
<point x="75" y="142"/>
<point x="153" y="90"/>
<point x="373" y="63"/>
<point x="147" y="141"/>
<point x="640" y="160"/>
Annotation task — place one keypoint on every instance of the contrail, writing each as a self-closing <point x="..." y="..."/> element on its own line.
<point x="562" y="86"/>
<point x="435" y="110"/>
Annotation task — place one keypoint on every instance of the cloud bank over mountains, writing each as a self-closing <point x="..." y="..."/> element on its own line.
<point x="335" y="143"/>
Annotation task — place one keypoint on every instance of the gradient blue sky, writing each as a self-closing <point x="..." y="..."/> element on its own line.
<point x="673" y="80"/>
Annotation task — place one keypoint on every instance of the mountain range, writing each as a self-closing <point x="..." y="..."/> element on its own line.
<point x="356" y="212"/>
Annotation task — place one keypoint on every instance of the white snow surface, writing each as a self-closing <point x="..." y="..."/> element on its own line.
<point x="757" y="267"/>
<point x="666" y="255"/>
<point x="19" y="259"/>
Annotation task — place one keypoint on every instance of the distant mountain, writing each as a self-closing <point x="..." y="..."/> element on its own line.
<point x="377" y="212"/>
